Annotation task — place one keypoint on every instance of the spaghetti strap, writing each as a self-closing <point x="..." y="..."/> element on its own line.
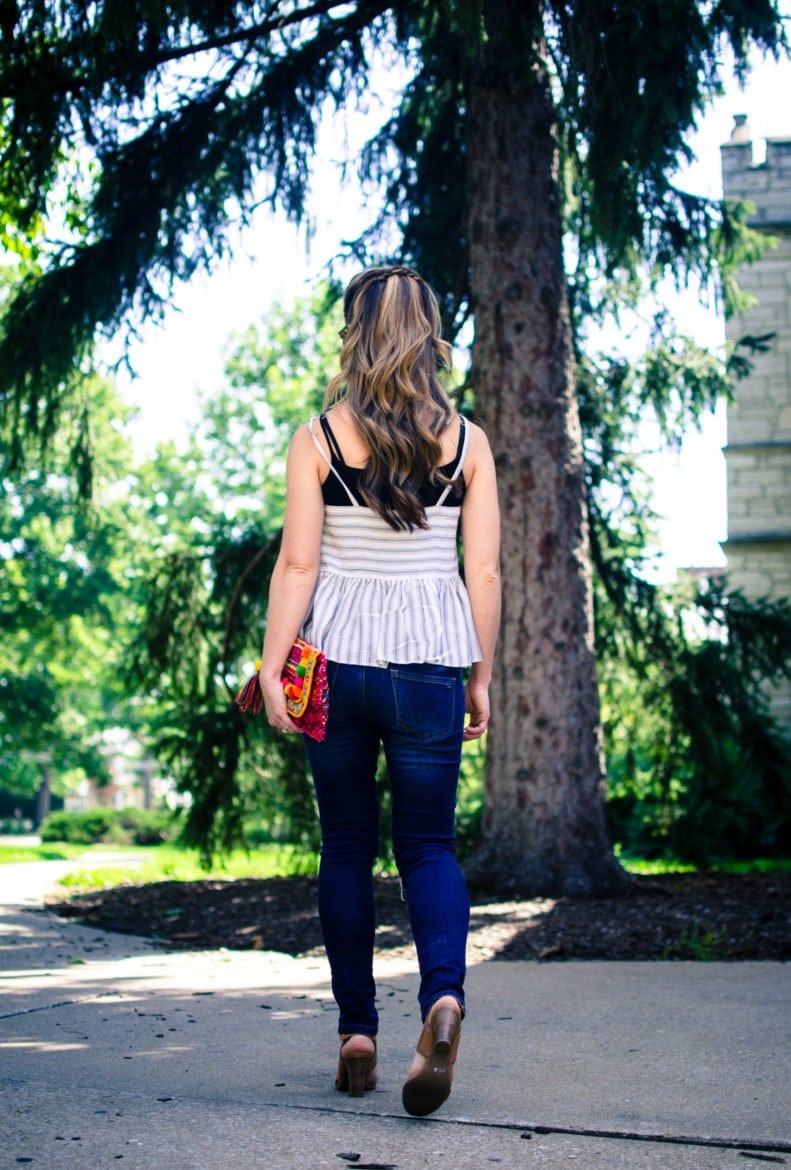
<point x="316" y="442"/>
<point x="355" y="503"/>
<point x="332" y="441"/>
<point x="464" y="446"/>
<point x="464" y="442"/>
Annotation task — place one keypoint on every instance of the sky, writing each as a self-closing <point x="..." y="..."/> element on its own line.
<point x="273" y="261"/>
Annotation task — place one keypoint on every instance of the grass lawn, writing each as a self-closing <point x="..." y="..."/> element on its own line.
<point x="171" y="862"/>
<point x="101" y="867"/>
<point x="54" y="851"/>
<point x="649" y="866"/>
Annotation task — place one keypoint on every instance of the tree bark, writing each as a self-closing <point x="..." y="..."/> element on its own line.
<point x="544" y="829"/>
<point x="44" y="794"/>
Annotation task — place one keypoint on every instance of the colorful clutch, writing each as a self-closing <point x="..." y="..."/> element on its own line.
<point x="304" y="680"/>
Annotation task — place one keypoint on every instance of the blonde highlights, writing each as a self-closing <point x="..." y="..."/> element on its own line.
<point x="392" y="352"/>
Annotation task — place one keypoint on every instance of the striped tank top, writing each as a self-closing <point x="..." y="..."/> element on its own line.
<point x="386" y="596"/>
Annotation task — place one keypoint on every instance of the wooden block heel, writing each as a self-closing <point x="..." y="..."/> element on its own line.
<point x="356" y="1065"/>
<point x="431" y="1075"/>
<point x="445" y="1029"/>
<point x="356" y="1072"/>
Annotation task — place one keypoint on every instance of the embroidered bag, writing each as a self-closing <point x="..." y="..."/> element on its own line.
<point x="304" y="680"/>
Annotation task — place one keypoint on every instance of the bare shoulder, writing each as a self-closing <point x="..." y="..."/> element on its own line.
<point x="303" y="447"/>
<point x="478" y="436"/>
<point x="480" y="451"/>
<point x="302" y="439"/>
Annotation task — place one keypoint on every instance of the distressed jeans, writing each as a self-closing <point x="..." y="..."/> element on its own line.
<point x="416" y="712"/>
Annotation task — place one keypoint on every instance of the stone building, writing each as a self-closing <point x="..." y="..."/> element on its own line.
<point x="758" y="450"/>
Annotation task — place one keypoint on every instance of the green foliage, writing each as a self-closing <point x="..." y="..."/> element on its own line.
<point x="144" y="134"/>
<point x="702" y="943"/>
<point x="469" y="802"/>
<point x="13" y="854"/>
<point x="64" y="609"/>
<point x="661" y="61"/>
<point x="105" y="878"/>
<point x="148" y="826"/>
<point x="696" y="766"/>
<point x="276" y="376"/>
<point x="418" y="158"/>
<point x="172" y="154"/>
<point x="78" y="828"/>
<point x="175" y="864"/>
<point x="128" y="826"/>
<point x="205" y="597"/>
<point x="738" y="794"/>
<point x="131" y="138"/>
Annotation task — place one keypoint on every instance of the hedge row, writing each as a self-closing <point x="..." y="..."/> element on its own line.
<point x="126" y="826"/>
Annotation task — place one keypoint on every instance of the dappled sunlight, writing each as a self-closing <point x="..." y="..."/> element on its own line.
<point x="494" y="926"/>
<point x="60" y="961"/>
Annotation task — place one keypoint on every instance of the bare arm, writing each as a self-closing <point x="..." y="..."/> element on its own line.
<point x="480" y="528"/>
<point x="295" y="572"/>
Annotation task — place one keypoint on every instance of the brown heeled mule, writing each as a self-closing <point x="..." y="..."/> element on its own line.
<point x="430" y="1077"/>
<point x="356" y="1064"/>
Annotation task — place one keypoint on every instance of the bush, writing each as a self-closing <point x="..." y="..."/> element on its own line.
<point x="15" y="826"/>
<point x="148" y="826"/>
<point x="83" y="828"/>
<point x="128" y="826"/>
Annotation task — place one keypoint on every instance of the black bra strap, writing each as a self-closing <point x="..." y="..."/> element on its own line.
<point x="460" y="444"/>
<point x="332" y="442"/>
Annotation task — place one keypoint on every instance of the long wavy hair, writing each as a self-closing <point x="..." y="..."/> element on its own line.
<point x="391" y="356"/>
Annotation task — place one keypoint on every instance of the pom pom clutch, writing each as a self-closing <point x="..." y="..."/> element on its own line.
<point x="304" y="680"/>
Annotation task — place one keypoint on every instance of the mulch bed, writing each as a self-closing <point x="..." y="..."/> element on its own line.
<point x="673" y="916"/>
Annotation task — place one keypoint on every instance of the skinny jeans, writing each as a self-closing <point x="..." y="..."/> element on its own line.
<point x="416" y="713"/>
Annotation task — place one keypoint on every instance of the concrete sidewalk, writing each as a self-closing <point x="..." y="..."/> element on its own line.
<point x="113" y="1052"/>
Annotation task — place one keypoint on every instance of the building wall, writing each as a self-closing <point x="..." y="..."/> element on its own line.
<point x="758" y="450"/>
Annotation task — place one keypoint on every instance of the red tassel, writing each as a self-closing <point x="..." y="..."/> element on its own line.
<point x="250" y="700"/>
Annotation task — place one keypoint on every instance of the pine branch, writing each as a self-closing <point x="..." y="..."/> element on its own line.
<point x="174" y="182"/>
<point x="94" y="67"/>
<point x="255" y="32"/>
<point x="230" y="613"/>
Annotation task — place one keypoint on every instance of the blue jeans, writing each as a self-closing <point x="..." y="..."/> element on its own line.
<point x="416" y="712"/>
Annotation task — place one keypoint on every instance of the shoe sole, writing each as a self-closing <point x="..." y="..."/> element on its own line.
<point x="430" y="1088"/>
<point x="424" y="1093"/>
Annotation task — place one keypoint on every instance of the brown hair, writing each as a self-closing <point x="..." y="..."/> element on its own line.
<point x="392" y="352"/>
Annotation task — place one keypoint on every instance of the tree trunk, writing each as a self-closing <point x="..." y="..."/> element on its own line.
<point x="44" y="794"/>
<point x="544" y="829"/>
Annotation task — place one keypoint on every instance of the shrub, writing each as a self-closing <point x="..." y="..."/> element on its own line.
<point x="83" y="828"/>
<point x="148" y="826"/>
<point x="123" y="827"/>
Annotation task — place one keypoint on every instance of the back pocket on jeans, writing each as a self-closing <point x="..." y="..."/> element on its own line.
<point x="425" y="704"/>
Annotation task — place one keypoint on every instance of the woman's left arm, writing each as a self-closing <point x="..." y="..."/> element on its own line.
<point x="295" y="572"/>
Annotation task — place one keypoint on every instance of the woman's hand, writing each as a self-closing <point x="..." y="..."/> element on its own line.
<point x="275" y="704"/>
<point x="477" y="707"/>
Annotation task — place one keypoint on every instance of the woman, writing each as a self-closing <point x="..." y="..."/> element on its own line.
<point x="368" y="572"/>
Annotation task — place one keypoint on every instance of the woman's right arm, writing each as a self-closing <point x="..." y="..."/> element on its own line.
<point x="480" y="531"/>
<point x="294" y="576"/>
